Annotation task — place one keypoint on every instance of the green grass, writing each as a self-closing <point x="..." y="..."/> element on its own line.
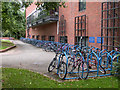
<point x="6" y="41"/>
<point x="5" y="44"/>
<point x="20" y="78"/>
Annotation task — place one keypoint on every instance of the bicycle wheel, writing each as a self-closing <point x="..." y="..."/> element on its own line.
<point x="52" y="65"/>
<point x="83" y="70"/>
<point x="62" y="70"/>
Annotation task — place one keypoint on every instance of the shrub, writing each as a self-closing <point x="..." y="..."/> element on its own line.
<point x="116" y="68"/>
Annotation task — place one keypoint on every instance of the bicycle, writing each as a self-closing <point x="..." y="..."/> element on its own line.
<point x="94" y="60"/>
<point x="73" y="61"/>
<point x="77" y="60"/>
<point x="53" y="64"/>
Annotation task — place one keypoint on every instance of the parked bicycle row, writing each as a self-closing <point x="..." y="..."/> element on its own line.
<point x="76" y="62"/>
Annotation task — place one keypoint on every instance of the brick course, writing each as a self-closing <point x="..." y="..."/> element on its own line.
<point x="93" y="15"/>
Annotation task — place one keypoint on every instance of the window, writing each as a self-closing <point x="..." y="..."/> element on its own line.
<point x="81" y="40"/>
<point x="62" y="30"/>
<point x="51" y="38"/>
<point x="63" y="39"/>
<point x="110" y="26"/>
<point x="43" y="37"/>
<point x="82" y="5"/>
<point x="62" y="26"/>
<point x="33" y="36"/>
<point x="80" y="31"/>
<point x="37" y="37"/>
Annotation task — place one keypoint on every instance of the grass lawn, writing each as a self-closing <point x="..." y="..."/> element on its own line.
<point x="20" y="78"/>
<point x="5" y="44"/>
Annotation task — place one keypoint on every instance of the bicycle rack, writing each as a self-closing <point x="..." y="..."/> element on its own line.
<point x="95" y="55"/>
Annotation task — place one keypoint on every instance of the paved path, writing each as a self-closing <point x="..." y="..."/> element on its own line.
<point x="28" y="57"/>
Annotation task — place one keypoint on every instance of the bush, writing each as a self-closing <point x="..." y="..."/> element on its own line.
<point x="116" y="68"/>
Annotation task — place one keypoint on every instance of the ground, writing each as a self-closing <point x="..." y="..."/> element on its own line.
<point x="28" y="57"/>
<point x="20" y="78"/>
<point x="35" y="59"/>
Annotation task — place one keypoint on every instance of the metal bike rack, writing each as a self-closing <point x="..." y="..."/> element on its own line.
<point x="95" y="57"/>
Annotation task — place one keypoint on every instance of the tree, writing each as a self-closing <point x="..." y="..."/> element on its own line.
<point x="13" y="20"/>
<point x="47" y="6"/>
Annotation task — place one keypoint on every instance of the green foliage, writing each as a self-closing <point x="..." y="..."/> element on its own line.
<point x="13" y="20"/>
<point x="116" y="68"/>
<point x="19" y="78"/>
<point x="47" y="6"/>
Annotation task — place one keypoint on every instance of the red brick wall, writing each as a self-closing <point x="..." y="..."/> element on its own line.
<point x="31" y="8"/>
<point x="93" y="15"/>
<point x="92" y="12"/>
<point x="46" y="29"/>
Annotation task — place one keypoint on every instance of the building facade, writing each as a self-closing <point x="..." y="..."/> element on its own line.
<point x="83" y="23"/>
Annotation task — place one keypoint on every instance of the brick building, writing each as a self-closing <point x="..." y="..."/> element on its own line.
<point x="84" y="23"/>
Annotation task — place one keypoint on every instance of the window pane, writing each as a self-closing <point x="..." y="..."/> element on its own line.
<point x="63" y="39"/>
<point x="51" y="38"/>
<point x="82" y="5"/>
<point x="37" y="37"/>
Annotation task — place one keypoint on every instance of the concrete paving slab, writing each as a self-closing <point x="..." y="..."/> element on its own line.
<point x="27" y="56"/>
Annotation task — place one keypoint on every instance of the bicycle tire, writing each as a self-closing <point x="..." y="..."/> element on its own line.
<point x="60" y="70"/>
<point x="52" y="64"/>
<point x="81" y="72"/>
